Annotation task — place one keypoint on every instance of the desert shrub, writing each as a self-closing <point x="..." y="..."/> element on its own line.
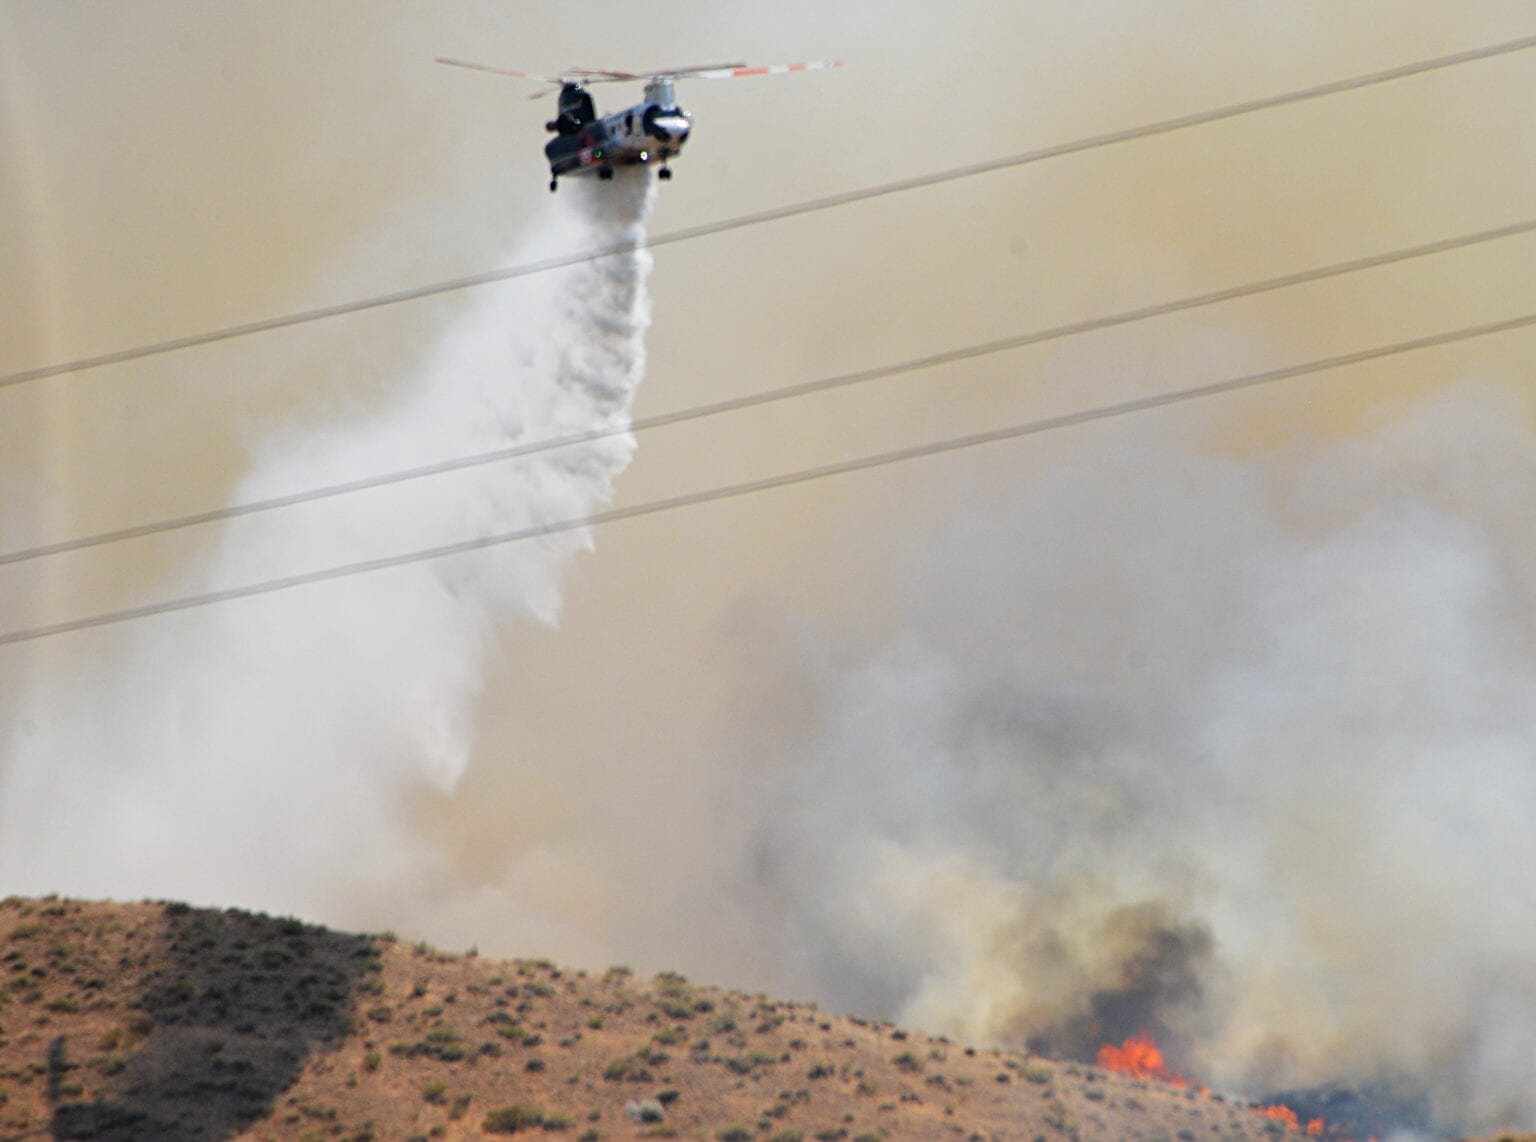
<point x="742" y="1064"/>
<point x="1038" y="1073"/>
<point x="627" y="1069"/>
<point x="736" y="1133"/>
<point x="649" y="1111"/>
<point x="511" y="1119"/>
<point x="907" y="1061"/>
<point x="435" y="1092"/>
<point x="447" y="1051"/>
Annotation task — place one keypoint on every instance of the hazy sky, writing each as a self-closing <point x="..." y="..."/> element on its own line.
<point x="175" y="167"/>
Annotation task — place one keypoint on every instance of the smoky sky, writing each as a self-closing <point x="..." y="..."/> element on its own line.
<point x="1178" y="722"/>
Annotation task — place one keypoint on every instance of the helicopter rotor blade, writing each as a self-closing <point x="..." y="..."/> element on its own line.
<point x="604" y="75"/>
<point x="497" y="70"/>
<point x="676" y="71"/>
<point x="742" y="71"/>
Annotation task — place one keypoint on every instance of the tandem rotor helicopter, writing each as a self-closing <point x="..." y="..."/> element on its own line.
<point x="653" y="131"/>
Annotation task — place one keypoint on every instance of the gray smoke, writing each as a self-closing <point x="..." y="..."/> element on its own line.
<point x="1242" y="753"/>
<point x="1228" y="741"/>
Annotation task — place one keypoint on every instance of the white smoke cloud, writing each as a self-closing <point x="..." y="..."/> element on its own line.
<point x="260" y="753"/>
<point x="1199" y="716"/>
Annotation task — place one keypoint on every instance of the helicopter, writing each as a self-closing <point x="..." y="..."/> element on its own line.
<point x="653" y="131"/>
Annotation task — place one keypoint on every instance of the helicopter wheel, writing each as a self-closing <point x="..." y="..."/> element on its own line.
<point x="554" y="185"/>
<point x="665" y="174"/>
<point x="605" y="173"/>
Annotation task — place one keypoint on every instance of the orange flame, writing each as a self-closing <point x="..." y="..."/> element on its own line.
<point x="1141" y="1058"/>
<point x="1281" y="1114"/>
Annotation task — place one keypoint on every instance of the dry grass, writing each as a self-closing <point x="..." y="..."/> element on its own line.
<point x="155" y="1021"/>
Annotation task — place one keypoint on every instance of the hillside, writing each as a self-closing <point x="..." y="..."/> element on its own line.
<point x="161" y="1021"/>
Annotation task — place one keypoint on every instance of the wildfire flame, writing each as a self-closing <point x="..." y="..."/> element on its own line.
<point x="1141" y="1058"/>
<point x="1281" y="1114"/>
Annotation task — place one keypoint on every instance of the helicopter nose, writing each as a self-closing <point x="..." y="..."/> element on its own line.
<point x="671" y="128"/>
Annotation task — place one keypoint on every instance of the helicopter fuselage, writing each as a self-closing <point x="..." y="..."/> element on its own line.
<point x="651" y="132"/>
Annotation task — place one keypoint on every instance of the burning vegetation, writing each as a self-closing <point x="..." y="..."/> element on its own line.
<point x="1140" y="1057"/>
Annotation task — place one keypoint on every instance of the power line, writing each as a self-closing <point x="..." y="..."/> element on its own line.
<point x="807" y="475"/>
<point x="753" y="400"/>
<point x="1058" y="150"/>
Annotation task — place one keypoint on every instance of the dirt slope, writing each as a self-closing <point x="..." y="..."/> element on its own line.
<point x="159" y="1021"/>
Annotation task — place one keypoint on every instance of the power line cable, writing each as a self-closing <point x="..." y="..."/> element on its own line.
<point x="753" y="400"/>
<point x="773" y="214"/>
<point x="803" y="476"/>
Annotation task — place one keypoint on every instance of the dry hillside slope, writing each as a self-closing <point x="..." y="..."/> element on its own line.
<point x="160" y="1021"/>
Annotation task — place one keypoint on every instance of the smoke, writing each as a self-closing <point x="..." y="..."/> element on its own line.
<point x="240" y="753"/>
<point x="1237" y="752"/>
<point x="1137" y="735"/>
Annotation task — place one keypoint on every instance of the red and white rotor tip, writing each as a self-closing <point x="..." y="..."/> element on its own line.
<point x="743" y="71"/>
<point x="600" y="75"/>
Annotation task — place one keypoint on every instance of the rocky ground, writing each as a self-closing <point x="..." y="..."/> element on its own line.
<point x="160" y="1021"/>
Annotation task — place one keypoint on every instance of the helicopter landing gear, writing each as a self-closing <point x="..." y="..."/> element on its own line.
<point x="605" y="173"/>
<point x="554" y="185"/>
<point x="665" y="174"/>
